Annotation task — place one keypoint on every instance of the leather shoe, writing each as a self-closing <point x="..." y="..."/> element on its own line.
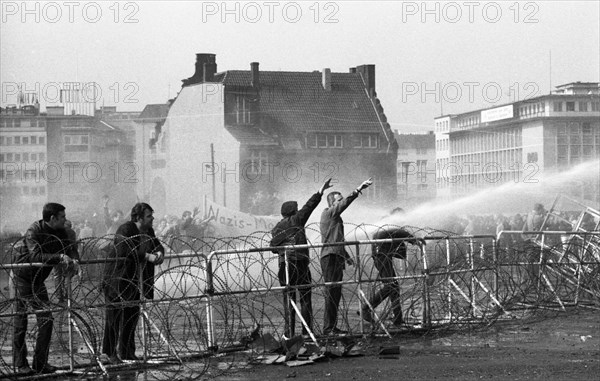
<point x="25" y="370"/>
<point x="47" y="369"/>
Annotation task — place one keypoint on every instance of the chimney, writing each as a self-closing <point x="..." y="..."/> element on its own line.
<point x="255" y="75"/>
<point x="209" y="72"/>
<point x="352" y="70"/>
<point x="201" y="59"/>
<point x="326" y="79"/>
<point x="368" y="75"/>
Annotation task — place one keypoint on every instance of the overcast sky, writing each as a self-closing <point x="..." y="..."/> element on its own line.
<point x="473" y="54"/>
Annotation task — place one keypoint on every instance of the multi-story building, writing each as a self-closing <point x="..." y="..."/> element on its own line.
<point x="23" y="154"/>
<point x="416" y="168"/>
<point x="250" y="138"/>
<point x="513" y="142"/>
<point x="70" y="159"/>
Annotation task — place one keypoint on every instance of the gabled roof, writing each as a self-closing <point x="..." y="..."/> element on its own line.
<point x="154" y="113"/>
<point x="298" y="102"/>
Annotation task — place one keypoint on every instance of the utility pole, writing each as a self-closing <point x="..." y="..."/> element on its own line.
<point x="212" y="164"/>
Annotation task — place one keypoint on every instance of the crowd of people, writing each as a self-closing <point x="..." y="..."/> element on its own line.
<point x="135" y="247"/>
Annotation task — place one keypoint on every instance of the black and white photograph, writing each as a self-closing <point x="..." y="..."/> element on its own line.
<point x="317" y="190"/>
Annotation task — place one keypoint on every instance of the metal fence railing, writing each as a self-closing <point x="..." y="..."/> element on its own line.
<point x="209" y="297"/>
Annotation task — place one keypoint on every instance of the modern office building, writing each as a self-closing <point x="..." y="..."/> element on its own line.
<point x="513" y="142"/>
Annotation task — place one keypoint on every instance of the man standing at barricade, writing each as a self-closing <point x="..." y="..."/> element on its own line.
<point x="333" y="258"/>
<point x="46" y="241"/>
<point x="534" y="221"/>
<point x="383" y="255"/>
<point x="121" y="282"/>
<point x="290" y="231"/>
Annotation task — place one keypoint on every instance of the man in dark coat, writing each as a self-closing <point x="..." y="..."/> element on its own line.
<point x="333" y="258"/>
<point x="135" y="245"/>
<point x="383" y="258"/>
<point x="45" y="242"/>
<point x="290" y="231"/>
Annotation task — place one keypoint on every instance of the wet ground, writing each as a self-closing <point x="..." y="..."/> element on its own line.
<point x="548" y="346"/>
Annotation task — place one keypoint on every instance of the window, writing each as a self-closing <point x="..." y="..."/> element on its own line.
<point x="17" y="157"/>
<point x="25" y="157"/>
<point x="532" y="157"/>
<point x="42" y="140"/>
<point x="1" y="140"/>
<point x="25" y="139"/>
<point x="242" y="110"/>
<point x="557" y="106"/>
<point x="258" y="162"/>
<point x="17" y="140"/>
<point x="41" y="156"/>
<point x="422" y="170"/>
<point x="33" y="157"/>
<point x="583" y="106"/>
<point x="324" y="141"/>
<point x="33" y="139"/>
<point x="75" y="143"/>
<point x="367" y="141"/>
<point x="1" y="157"/>
<point x="586" y="128"/>
<point x="595" y="106"/>
<point x="570" y="106"/>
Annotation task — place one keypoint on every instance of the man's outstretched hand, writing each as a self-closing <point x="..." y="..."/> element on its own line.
<point x="365" y="184"/>
<point x="325" y="185"/>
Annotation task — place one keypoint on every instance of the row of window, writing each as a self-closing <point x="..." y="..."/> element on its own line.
<point x="418" y="151"/>
<point x="21" y="123"/>
<point x="76" y="139"/>
<point x="342" y="141"/>
<point x="582" y="106"/>
<point x="22" y="140"/>
<point x="22" y="157"/>
<point x="486" y="141"/>
<point x="576" y="128"/>
<point x="476" y="162"/>
<point x="442" y="126"/>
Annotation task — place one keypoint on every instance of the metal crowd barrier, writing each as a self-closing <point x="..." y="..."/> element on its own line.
<point x="451" y="280"/>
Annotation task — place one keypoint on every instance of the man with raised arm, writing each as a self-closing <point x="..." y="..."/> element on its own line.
<point x="333" y="258"/>
<point x="290" y="231"/>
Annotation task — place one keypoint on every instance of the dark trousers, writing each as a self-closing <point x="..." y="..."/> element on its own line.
<point x="120" y="325"/>
<point x="333" y="271"/>
<point x="385" y="265"/>
<point x="299" y="274"/>
<point x="36" y="295"/>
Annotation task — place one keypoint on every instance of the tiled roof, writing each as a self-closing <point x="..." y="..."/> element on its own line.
<point x="154" y="113"/>
<point x="298" y="102"/>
